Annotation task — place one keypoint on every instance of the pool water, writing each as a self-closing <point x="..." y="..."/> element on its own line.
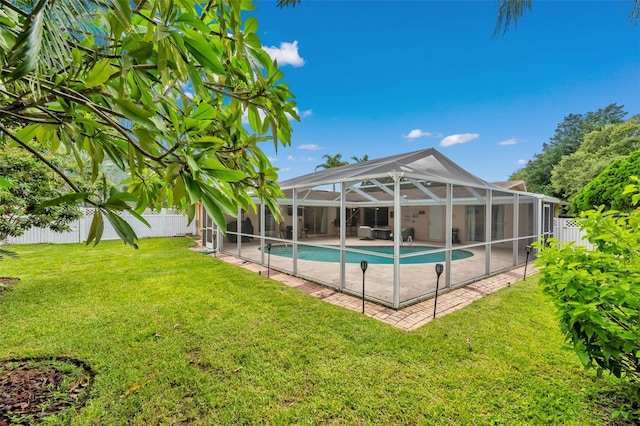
<point x="323" y="254"/>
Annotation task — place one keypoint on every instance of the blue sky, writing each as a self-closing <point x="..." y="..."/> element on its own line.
<point x="383" y="78"/>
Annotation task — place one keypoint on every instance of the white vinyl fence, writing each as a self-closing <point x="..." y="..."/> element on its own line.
<point x="567" y="230"/>
<point x="167" y="223"/>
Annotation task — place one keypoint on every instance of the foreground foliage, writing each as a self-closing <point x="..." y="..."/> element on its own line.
<point x="176" y="337"/>
<point x="597" y="293"/>
<point x="160" y="88"/>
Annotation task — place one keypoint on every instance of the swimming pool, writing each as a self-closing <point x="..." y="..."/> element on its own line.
<point x="323" y="254"/>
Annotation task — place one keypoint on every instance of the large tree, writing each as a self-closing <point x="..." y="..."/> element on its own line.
<point x="599" y="149"/>
<point x="160" y="88"/>
<point x="30" y="184"/>
<point x="567" y="138"/>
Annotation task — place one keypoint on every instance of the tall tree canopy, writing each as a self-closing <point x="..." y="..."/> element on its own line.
<point x="567" y="138"/>
<point x="599" y="149"/>
<point x="160" y="88"/>
<point x="30" y="183"/>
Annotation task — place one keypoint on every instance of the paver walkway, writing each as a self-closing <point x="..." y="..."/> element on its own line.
<point x="408" y="318"/>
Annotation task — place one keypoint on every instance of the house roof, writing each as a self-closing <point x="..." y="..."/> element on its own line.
<point x="428" y="164"/>
<point x="516" y="185"/>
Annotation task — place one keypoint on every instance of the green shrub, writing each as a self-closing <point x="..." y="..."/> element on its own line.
<point x="607" y="188"/>
<point x="597" y="292"/>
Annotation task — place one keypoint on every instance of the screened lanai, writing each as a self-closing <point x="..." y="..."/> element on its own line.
<point x="402" y="214"/>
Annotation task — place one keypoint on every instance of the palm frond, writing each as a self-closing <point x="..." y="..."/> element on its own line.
<point x="509" y="11"/>
<point x="49" y="33"/>
<point x="634" y="15"/>
<point x="28" y="44"/>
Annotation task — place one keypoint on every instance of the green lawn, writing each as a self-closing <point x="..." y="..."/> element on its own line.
<point x="179" y="337"/>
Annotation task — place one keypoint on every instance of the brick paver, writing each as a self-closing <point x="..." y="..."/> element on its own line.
<point x="409" y="318"/>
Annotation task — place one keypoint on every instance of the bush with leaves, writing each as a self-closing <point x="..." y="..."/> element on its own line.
<point x="608" y="187"/>
<point x="597" y="292"/>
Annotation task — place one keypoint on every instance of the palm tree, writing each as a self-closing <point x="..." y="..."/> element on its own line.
<point x="509" y="11"/>
<point x="332" y="161"/>
<point x="361" y="160"/>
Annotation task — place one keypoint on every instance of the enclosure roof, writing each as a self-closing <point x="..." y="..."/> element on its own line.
<point x="426" y="164"/>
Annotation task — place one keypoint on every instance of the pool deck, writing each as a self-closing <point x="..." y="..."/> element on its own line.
<point x="409" y="318"/>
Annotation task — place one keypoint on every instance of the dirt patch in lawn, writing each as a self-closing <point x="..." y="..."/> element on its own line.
<point x="8" y="282"/>
<point x="32" y="389"/>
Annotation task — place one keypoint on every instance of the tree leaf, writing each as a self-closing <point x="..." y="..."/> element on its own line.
<point x="96" y="229"/>
<point x="65" y="199"/>
<point x="204" y="112"/>
<point x="135" y="113"/>
<point x="5" y="183"/>
<point x="251" y="25"/>
<point x="202" y="51"/>
<point x="141" y="50"/>
<point x="122" y="228"/>
<point x="99" y="73"/>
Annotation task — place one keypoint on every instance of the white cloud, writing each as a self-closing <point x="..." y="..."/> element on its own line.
<point x="303" y="114"/>
<point x="290" y="157"/>
<point x="458" y="139"/>
<point x="310" y="147"/>
<point x="307" y="159"/>
<point x="286" y="54"/>
<point x="415" y="134"/>
<point x="522" y="162"/>
<point x="511" y="141"/>
<point x="273" y="159"/>
<point x="284" y="169"/>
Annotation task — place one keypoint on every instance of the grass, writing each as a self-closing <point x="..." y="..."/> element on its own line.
<point x="178" y="337"/>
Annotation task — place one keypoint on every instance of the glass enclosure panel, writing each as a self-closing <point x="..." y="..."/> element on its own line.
<point x="321" y="264"/>
<point x="285" y="230"/>
<point x="279" y="257"/>
<point x="418" y="280"/>
<point x="526" y="216"/>
<point x="501" y="256"/>
<point x="423" y="212"/>
<point x="469" y="215"/>
<point x="230" y="239"/>
<point x="522" y="250"/>
<point x="470" y="268"/>
<point x="501" y="215"/>
<point x="271" y="227"/>
<point x="378" y="277"/>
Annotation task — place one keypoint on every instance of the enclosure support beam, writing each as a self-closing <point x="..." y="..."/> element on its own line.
<point x="488" y="218"/>
<point x="516" y="230"/>
<point x="294" y="224"/>
<point x="538" y="219"/>
<point x="343" y="232"/>
<point x="397" y="238"/>
<point x="262" y="226"/>
<point x="238" y="232"/>
<point x="448" y="236"/>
